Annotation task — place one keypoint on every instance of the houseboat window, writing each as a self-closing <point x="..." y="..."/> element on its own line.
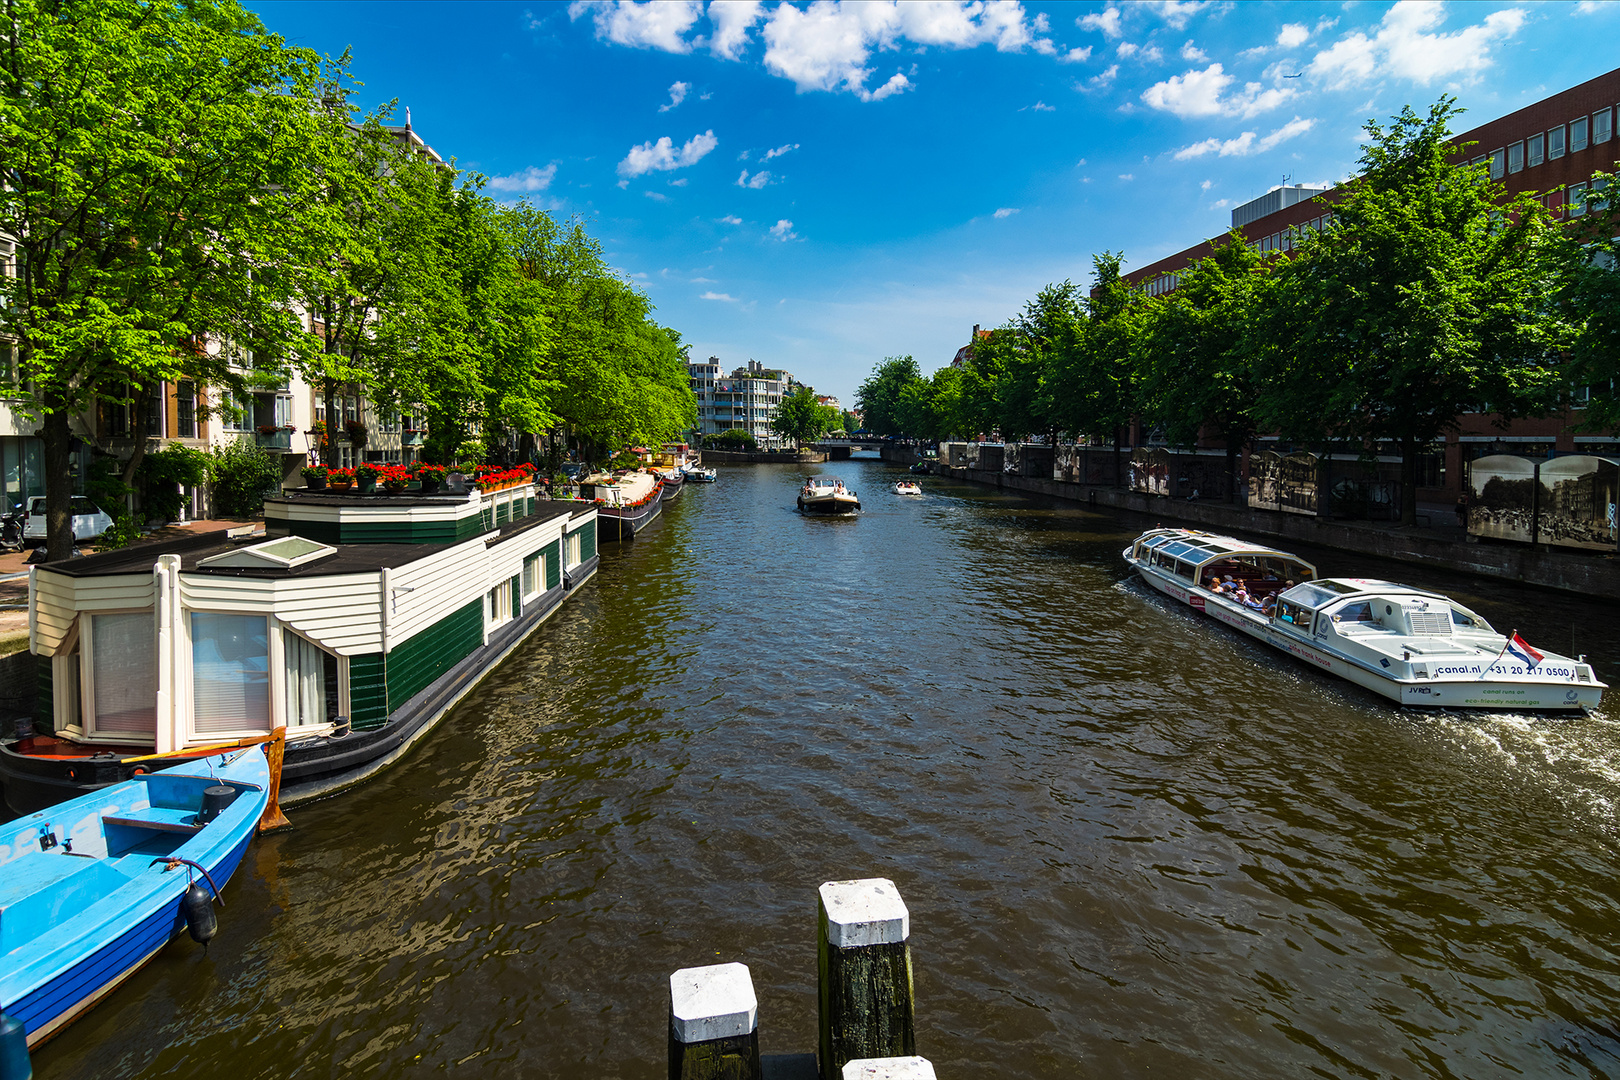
<point x="531" y="574"/>
<point x="312" y="682"/>
<point x="123" y="673"/>
<point x="230" y="672"/>
<point x="498" y="605"/>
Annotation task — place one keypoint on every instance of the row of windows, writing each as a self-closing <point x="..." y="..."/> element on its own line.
<point x="1551" y="145"/>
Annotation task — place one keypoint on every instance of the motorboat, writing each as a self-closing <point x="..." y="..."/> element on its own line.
<point x="93" y="888"/>
<point x="907" y="487"/>
<point x="625" y="504"/>
<point x="827" y="495"/>
<point x="697" y="474"/>
<point x="920" y="468"/>
<point x="1415" y="647"/>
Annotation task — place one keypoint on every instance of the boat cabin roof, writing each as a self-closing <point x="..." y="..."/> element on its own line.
<point x="823" y="481"/>
<point x="1199" y="548"/>
<point x="1325" y="591"/>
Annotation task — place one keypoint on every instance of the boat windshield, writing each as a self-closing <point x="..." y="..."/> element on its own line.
<point x="1317" y="593"/>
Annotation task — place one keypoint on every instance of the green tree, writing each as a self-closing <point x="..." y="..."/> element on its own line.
<point x="242" y="476"/>
<point x="1590" y="301"/>
<point x="801" y="418"/>
<point x="1093" y="375"/>
<point x="878" y="397"/>
<point x="1194" y="347"/>
<point x="151" y="151"/>
<point x="1430" y="295"/>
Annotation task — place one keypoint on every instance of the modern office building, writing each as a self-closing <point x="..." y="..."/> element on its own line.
<point x="745" y="400"/>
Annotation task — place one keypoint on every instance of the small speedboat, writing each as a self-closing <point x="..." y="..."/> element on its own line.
<point x="1413" y="646"/>
<point x="919" y="468"/>
<point x="697" y="474"/>
<point x="827" y="495"/>
<point x="907" y="487"/>
<point x="93" y="888"/>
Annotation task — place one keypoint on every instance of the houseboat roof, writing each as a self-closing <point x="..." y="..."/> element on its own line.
<point x="348" y="558"/>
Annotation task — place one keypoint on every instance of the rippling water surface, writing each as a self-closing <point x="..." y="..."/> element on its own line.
<point x="1132" y="842"/>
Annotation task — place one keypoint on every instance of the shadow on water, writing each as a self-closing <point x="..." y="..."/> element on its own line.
<point x="1131" y="841"/>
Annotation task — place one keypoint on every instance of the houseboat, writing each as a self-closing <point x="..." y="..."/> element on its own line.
<point x="1416" y="648"/>
<point x="624" y="504"/>
<point x="354" y="620"/>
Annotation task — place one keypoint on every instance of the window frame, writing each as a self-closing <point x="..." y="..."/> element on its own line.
<point x="1535" y="149"/>
<point x="90" y="729"/>
<point x="1579" y="142"/>
<point x="1602" y="126"/>
<point x="1515" y="157"/>
<point x="279" y="711"/>
<point x="1557" y="143"/>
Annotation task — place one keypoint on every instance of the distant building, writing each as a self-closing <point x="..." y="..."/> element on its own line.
<point x="746" y="399"/>
<point x="829" y="401"/>
<point x="965" y="353"/>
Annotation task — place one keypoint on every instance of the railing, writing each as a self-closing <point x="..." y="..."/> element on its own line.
<point x="273" y="440"/>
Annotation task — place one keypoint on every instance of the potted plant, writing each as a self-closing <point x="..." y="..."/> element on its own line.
<point x="317" y="429"/>
<point x="365" y="476"/>
<point x="394" y="478"/>
<point x="431" y="476"/>
<point x="340" y="479"/>
<point x="315" y="476"/>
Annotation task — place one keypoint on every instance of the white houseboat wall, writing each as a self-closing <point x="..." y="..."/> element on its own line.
<point x="355" y="621"/>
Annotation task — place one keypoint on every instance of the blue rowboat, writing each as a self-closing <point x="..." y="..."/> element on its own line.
<point x="92" y="888"/>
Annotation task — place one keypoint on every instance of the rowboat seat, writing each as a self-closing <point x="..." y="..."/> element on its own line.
<point x="158" y="818"/>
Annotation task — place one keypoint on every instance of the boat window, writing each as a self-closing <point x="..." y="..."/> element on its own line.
<point x="1184" y="569"/>
<point x="1358" y="612"/>
<point x="230" y="672"/>
<point x="1289" y="611"/>
<point x="1459" y="617"/>
<point x="311" y="680"/>
<point x="123" y="667"/>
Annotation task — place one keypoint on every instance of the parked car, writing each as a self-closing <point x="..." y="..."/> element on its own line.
<point x="89" y="520"/>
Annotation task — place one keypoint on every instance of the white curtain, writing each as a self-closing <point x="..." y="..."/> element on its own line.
<point x="306" y="680"/>
<point x="124" y="647"/>
<point x="230" y="672"/>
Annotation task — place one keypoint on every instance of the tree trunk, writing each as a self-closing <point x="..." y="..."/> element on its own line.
<point x="1231" y="470"/>
<point x="1409" y="452"/>
<point x="329" y="439"/>
<point x="137" y="408"/>
<point x="58" y="480"/>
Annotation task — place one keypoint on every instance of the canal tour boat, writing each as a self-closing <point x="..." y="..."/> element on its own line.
<point x="827" y="495"/>
<point x="1415" y="647"/>
<point x="354" y="620"/>
<point x="697" y="474"/>
<point x="907" y="487"/>
<point x="624" y="504"/>
<point x="93" y="888"/>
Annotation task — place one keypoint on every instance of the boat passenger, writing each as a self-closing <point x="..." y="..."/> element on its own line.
<point x="1268" y="607"/>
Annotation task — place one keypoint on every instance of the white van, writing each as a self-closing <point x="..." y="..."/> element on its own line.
<point x="88" y="520"/>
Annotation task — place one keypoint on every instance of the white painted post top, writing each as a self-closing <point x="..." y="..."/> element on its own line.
<point x="713" y="1002"/>
<point x="900" y="1068"/>
<point x="864" y="912"/>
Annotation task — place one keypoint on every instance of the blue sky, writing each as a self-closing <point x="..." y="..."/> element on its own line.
<point x="818" y="186"/>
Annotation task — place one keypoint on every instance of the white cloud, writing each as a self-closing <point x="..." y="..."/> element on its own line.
<point x="656" y="196"/>
<point x="727" y="297"/>
<point x="1403" y="48"/>
<point x="1293" y="35"/>
<point x="1039" y="106"/>
<point x="1105" y="77"/>
<point x="530" y="179"/>
<point x="677" y="94"/>
<point x="787" y="148"/>
<point x="1127" y="176"/>
<point x="731" y="219"/>
<point x="1106" y="21"/>
<point x="1202" y="93"/>
<point x="1076" y="56"/>
<point x="662" y="155"/>
<point x="757" y="181"/>
<point x="1193" y="54"/>
<point x="662" y="25"/>
<point x="783" y="230"/>
<point x="1178" y="12"/>
<point x="1245" y="144"/>
<point x="1590" y="7"/>
<point x="826" y="45"/>
<point x="678" y="183"/>
<point x="732" y="21"/>
<point x="1007" y="211"/>
<point x="1149" y="54"/>
<point x="1206" y="185"/>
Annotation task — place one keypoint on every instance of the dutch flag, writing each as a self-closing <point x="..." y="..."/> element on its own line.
<point x="1521" y="648"/>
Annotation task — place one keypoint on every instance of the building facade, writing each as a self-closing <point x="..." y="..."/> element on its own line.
<point x="745" y="400"/>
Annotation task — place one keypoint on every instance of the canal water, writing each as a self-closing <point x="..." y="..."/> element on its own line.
<point x="1133" y="844"/>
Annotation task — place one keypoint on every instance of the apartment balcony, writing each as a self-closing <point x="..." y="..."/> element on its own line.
<point x="414" y="437"/>
<point x="274" y="438"/>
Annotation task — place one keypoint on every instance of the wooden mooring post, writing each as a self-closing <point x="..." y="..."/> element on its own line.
<point x="896" y="1068"/>
<point x="864" y="963"/>
<point x="713" y="1024"/>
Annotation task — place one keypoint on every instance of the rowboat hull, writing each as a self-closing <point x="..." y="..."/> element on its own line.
<point x="76" y="926"/>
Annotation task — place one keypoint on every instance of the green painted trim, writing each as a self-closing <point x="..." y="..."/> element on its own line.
<point x="419" y="660"/>
<point x="517" y="597"/>
<point x="587" y="544"/>
<point x="381" y="532"/>
<point x="45" y="695"/>
<point x="368" y="692"/>
<point x="553" y="554"/>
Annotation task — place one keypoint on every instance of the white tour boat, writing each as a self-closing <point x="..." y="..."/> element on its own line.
<point x="1412" y="646"/>
<point x="696" y="474"/>
<point x="907" y="487"/>
<point x="827" y="495"/>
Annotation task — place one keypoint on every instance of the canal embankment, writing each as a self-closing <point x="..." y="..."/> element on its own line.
<point x="1433" y="542"/>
